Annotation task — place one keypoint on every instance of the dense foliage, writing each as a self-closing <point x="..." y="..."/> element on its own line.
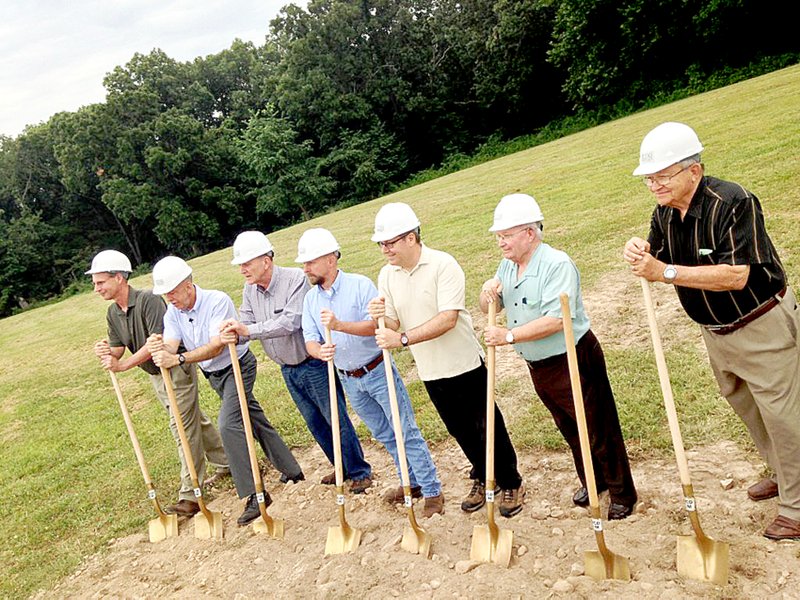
<point x="345" y="100"/>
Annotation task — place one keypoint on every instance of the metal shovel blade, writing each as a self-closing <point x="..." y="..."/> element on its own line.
<point x="163" y="527"/>
<point x="612" y="566"/>
<point x="341" y="539"/>
<point x="416" y="541"/>
<point x="208" y="525"/>
<point x="488" y="547"/>
<point x="705" y="561"/>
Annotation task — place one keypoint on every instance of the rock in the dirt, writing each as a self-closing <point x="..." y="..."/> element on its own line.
<point x="435" y="584"/>
<point x="646" y="586"/>
<point x="465" y="566"/>
<point x="727" y="484"/>
<point x="540" y="513"/>
<point x="393" y="542"/>
<point x="557" y="531"/>
<point x="556" y="513"/>
<point x="576" y="569"/>
<point x="368" y="538"/>
<point x="562" y="586"/>
<point x="522" y="550"/>
<point x="561" y="553"/>
<point x="537" y="565"/>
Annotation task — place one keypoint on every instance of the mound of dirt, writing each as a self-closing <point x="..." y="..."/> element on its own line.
<point x="550" y="537"/>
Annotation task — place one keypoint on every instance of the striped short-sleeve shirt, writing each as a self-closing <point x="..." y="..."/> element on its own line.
<point x="724" y="225"/>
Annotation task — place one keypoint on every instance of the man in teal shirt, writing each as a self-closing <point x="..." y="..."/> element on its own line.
<point x="529" y="283"/>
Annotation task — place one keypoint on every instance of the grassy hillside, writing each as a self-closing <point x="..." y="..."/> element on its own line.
<point x="69" y="478"/>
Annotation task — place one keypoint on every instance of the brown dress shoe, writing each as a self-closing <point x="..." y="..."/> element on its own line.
<point x="763" y="490"/>
<point x="397" y="496"/>
<point x="184" y="508"/>
<point x="329" y="479"/>
<point x="783" y="528"/>
<point x="433" y="505"/>
<point x="359" y="486"/>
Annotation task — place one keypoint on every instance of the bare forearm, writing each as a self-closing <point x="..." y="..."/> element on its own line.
<point x="363" y="328"/>
<point x="537" y="329"/>
<point x="715" y="278"/>
<point x="438" y="325"/>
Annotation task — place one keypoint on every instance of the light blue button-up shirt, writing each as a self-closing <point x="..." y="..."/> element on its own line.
<point x="347" y="299"/>
<point x="195" y="327"/>
<point x="536" y="294"/>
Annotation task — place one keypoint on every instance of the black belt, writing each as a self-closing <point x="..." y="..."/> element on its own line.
<point x="361" y="371"/>
<point x="222" y="372"/>
<point x="749" y="317"/>
<point x="302" y="362"/>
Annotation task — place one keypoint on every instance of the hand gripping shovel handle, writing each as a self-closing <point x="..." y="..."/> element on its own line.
<point x="251" y="445"/>
<point x="151" y="492"/>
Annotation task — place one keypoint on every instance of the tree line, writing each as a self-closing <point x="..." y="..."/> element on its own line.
<point x="344" y="101"/>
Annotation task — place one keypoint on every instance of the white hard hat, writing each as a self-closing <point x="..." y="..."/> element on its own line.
<point x="315" y="243"/>
<point x="249" y="245"/>
<point x="516" y="209"/>
<point x="666" y="145"/>
<point x="168" y="273"/>
<point x="394" y="219"/>
<point x="109" y="261"/>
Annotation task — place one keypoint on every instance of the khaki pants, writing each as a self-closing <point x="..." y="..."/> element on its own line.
<point x="204" y="439"/>
<point x="758" y="371"/>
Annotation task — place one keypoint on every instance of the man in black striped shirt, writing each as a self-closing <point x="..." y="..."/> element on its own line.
<point x="708" y="238"/>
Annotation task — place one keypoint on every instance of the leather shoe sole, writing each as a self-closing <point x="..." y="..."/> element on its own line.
<point x="763" y="490"/>
<point x="783" y="528"/>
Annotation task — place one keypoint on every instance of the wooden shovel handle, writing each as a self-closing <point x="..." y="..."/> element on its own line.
<point x="248" y="428"/>
<point x="337" y="436"/>
<point x="491" y="355"/>
<point x="577" y="398"/>
<point x="398" y="428"/>
<point x="666" y="388"/>
<point x="129" y="424"/>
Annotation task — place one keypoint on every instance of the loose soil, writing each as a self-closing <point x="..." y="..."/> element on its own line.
<point x="550" y="534"/>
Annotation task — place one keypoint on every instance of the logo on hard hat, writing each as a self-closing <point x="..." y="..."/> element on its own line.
<point x="646" y="157"/>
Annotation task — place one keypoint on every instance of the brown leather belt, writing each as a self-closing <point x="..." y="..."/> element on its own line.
<point x="749" y="317"/>
<point x="361" y="371"/>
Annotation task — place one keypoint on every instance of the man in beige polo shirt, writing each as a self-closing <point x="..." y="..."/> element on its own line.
<point x="423" y="299"/>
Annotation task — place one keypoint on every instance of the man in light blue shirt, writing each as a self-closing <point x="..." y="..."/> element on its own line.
<point x="529" y="282"/>
<point x="339" y="300"/>
<point x="194" y="318"/>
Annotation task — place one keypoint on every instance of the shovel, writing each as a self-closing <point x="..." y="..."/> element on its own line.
<point x="165" y="525"/>
<point x="603" y="564"/>
<point x="415" y="539"/>
<point x="273" y="527"/>
<point x="489" y="542"/>
<point x="699" y="557"/>
<point x="341" y="538"/>
<point x="207" y="523"/>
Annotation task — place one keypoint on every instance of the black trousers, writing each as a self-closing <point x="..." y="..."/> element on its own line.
<point x="551" y="380"/>
<point x="461" y="403"/>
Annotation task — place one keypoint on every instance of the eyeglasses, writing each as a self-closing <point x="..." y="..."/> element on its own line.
<point x="502" y="237"/>
<point x="649" y="180"/>
<point x="389" y="244"/>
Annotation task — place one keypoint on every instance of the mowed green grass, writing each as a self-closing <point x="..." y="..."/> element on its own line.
<point x="69" y="478"/>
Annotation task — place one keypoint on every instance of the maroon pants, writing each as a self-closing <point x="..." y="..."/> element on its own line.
<point x="551" y="380"/>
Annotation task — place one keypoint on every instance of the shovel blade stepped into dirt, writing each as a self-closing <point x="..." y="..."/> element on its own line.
<point x="207" y="523"/>
<point x="699" y="557"/>
<point x="415" y="539"/>
<point x="489" y="542"/>
<point x="341" y="538"/>
<point x="164" y="525"/>
<point x="603" y="564"/>
<point x="266" y="524"/>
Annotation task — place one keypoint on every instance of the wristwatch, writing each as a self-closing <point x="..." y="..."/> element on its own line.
<point x="404" y="339"/>
<point x="670" y="273"/>
<point x="181" y="359"/>
<point x="510" y="337"/>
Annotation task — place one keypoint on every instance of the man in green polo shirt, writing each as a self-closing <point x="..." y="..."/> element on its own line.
<point x="132" y="317"/>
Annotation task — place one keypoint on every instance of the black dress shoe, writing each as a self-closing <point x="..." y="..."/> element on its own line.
<point x="251" y="510"/>
<point x="617" y="512"/>
<point x="581" y="497"/>
<point x="286" y="479"/>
